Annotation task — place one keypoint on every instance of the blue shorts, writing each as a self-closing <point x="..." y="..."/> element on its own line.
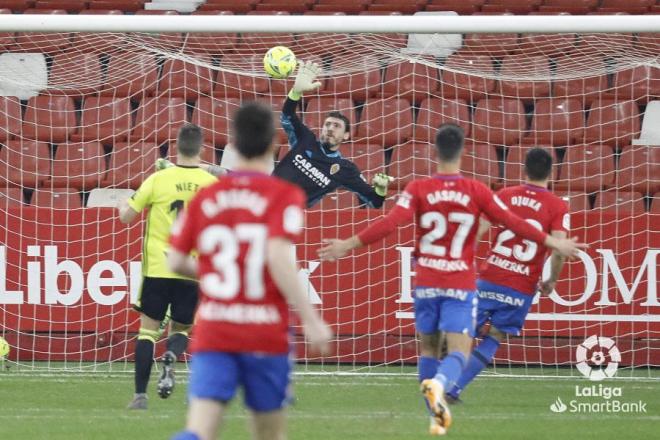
<point x="265" y="378"/>
<point x="504" y="307"/>
<point x="448" y="310"/>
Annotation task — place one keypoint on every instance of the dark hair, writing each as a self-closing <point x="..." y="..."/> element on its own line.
<point x="538" y="164"/>
<point x="189" y="140"/>
<point x="449" y="142"/>
<point x="254" y="129"/>
<point x="340" y="115"/>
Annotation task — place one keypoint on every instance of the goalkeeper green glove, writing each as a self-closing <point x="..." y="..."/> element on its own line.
<point x="380" y="182"/>
<point x="161" y="164"/>
<point x="305" y="79"/>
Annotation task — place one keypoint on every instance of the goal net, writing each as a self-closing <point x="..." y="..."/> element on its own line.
<point x="83" y="117"/>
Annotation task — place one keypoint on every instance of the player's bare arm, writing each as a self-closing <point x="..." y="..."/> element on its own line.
<point x="181" y="263"/>
<point x="556" y="265"/>
<point x="335" y="248"/>
<point x="484" y="226"/>
<point x="126" y="213"/>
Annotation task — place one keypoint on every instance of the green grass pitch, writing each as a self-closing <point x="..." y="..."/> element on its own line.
<point x="91" y="406"/>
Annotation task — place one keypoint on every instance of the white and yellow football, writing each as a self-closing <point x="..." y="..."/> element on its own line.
<point x="279" y="62"/>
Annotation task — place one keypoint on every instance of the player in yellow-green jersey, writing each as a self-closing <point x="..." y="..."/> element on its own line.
<point x="165" y="193"/>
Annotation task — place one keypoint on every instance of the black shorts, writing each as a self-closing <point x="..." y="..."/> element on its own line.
<point x="157" y="294"/>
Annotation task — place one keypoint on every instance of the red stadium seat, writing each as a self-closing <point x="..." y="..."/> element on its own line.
<point x="571" y="6"/>
<point x="631" y="6"/>
<point x="458" y="6"/>
<point x="480" y="162"/>
<point x="132" y="75"/>
<point x="557" y="121"/>
<point x="369" y="158"/>
<point x="130" y="164"/>
<point x="24" y="163"/>
<point x="104" y="119"/>
<point x="97" y="43"/>
<point x="434" y="112"/>
<point x="207" y="154"/>
<point x="624" y="203"/>
<point x="499" y="121"/>
<point x="608" y="44"/>
<point x="411" y="81"/>
<point x="213" y="116"/>
<point x="494" y="44"/>
<point x="338" y="200"/>
<point x="10" y="117"/>
<point x="586" y="168"/>
<point x="612" y="122"/>
<point x="122" y="5"/>
<point x="403" y="6"/>
<point x="78" y="165"/>
<point x="228" y="5"/>
<point x="17" y="5"/>
<point x="11" y="197"/>
<point x="292" y="6"/>
<point x="211" y="44"/>
<point x="49" y="118"/>
<point x="514" y="166"/>
<point x="364" y="83"/>
<point x="180" y="79"/>
<point x="159" y="119"/>
<point x="75" y="74"/>
<point x="515" y="66"/>
<point x="463" y="86"/>
<point x="591" y="82"/>
<point x="234" y="85"/>
<point x="513" y="6"/>
<point x="349" y="8"/>
<point x="253" y="43"/>
<point x="640" y="83"/>
<point x="318" y="108"/>
<point x="412" y="161"/>
<point x="655" y="204"/>
<point x="649" y="42"/>
<point x="68" y="5"/>
<point x="56" y="198"/>
<point x="577" y="201"/>
<point x="386" y="121"/>
<point x="551" y="45"/>
<point x="48" y="43"/>
<point x="164" y="41"/>
<point x="639" y="169"/>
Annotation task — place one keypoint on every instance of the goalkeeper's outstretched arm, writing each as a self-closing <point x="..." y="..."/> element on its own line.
<point x="305" y="82"/>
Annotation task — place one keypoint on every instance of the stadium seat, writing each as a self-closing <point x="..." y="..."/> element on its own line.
<point x="325" y="45"/>
<point x="630" y="6"/>
<point x="97" y="43"/>
<point x="513" y="6"/>
<point x="291" y="6"/>
<point x="480" y="162"/>
<point x="24" y="75"/>
<point x="213" y="116"/>
<point x="655" y="204"/>
<point x="49" y="118"/>
<point x="6" y="38"/>
<point x="411" y="81"/>
<point x="207" y="155"/>
<point x="130" y="74"/>
<point x="459" y="6"/>
<point x="234" y="85"/>
<point x="403" y="6"/>
<point x="130" y="164"/>
<point x="253" y="43"/>
<point x="576" y="7"/>
<point x="577" y="201"/>
<point x="612" y="45"/>
<point x="463" y="86"/>
<point x="385" y="121"/>
<point x="359" y="85"/>
<point x="586" y="168"/>
<point x="104" y="119"/>
<point x="514" y="166"/>
<point x="338" y="200"/>
<point x="625" y="203"/>
<point x="369" y="158"/>
<point x="592" y="80"/>
<point x="639" y="169"/>
<point x="11" y="197"/>
<point x="122" y="5"/>
<point x="24" y="163"/>
<point x="515" y="66"/>
<point x="228" y="5"/>
<point x="318" y="108"/>
<point x="168" y="41"/>
<point x="180" y="79"/>
<point x="75" y="74"/>
<point x="10" y="118"/>
<point x="499" y="121"/>
<point x="556" y="121"/>
<point x="495" y="45"/>
<point x="649" y="42"/>
<point x="56" y="198"/>
<point x="17" y="5"/>
<point x="159" y="119"/>
<point x="68" y="5"/>
<point x="436" y="111"/>
<point x="40" y="42"/>
<point x="78" y="165"/>
<point x="612" y="122"/>
<point x="640" y="83"/>
<point x="211" y="44"/>
<point x="348" y="8"/>
<point x="411" y="161"/>
<point x="551" y="45"/>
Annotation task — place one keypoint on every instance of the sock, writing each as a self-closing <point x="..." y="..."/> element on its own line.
<point x="144" y="355"/>
<point x="177" y="343"/>
<point x="185" y="435"/>
<point x="480" y="358"/>
<point x="450" y="369"/>
<point x="426" y="367"/>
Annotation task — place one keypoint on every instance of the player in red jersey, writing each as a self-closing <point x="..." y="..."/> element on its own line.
<point x="446" y="209"/>
<point x="243" y="228"/>
<point x="510" y="274"/>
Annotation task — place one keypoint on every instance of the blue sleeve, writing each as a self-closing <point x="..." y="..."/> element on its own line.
<point x="352" y="180"/>
<point x="293" y="127"/>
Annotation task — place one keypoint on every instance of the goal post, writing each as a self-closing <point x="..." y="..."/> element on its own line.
<point x="88" y="103"/>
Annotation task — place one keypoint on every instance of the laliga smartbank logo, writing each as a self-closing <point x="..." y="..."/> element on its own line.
<point x="597" y="359"/>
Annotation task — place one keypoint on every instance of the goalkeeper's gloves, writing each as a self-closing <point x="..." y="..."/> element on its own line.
<point x="305" y="79"/>
<point x="161" y="164"/>
<point x="380" y="182"/>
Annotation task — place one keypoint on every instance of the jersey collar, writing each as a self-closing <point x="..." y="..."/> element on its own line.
<point x="328" y="153"/>
<point x="535" y="187"/>
<point x="187" y="166"/>
<point x="447" y="176"/>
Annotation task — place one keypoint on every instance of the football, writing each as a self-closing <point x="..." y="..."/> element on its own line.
<point x="279" y="62"/>
<point x="4" y="347"/>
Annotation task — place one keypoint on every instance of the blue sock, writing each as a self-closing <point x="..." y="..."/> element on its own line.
<point x="450" y="369"/>
<point x="185" y="435"/>
<point x="481" y="357"/>
<point x="426" y="367"/>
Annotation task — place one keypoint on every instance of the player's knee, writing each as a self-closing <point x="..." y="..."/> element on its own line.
<point x="148" y="334"/>
<point x="184" y="329"/>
